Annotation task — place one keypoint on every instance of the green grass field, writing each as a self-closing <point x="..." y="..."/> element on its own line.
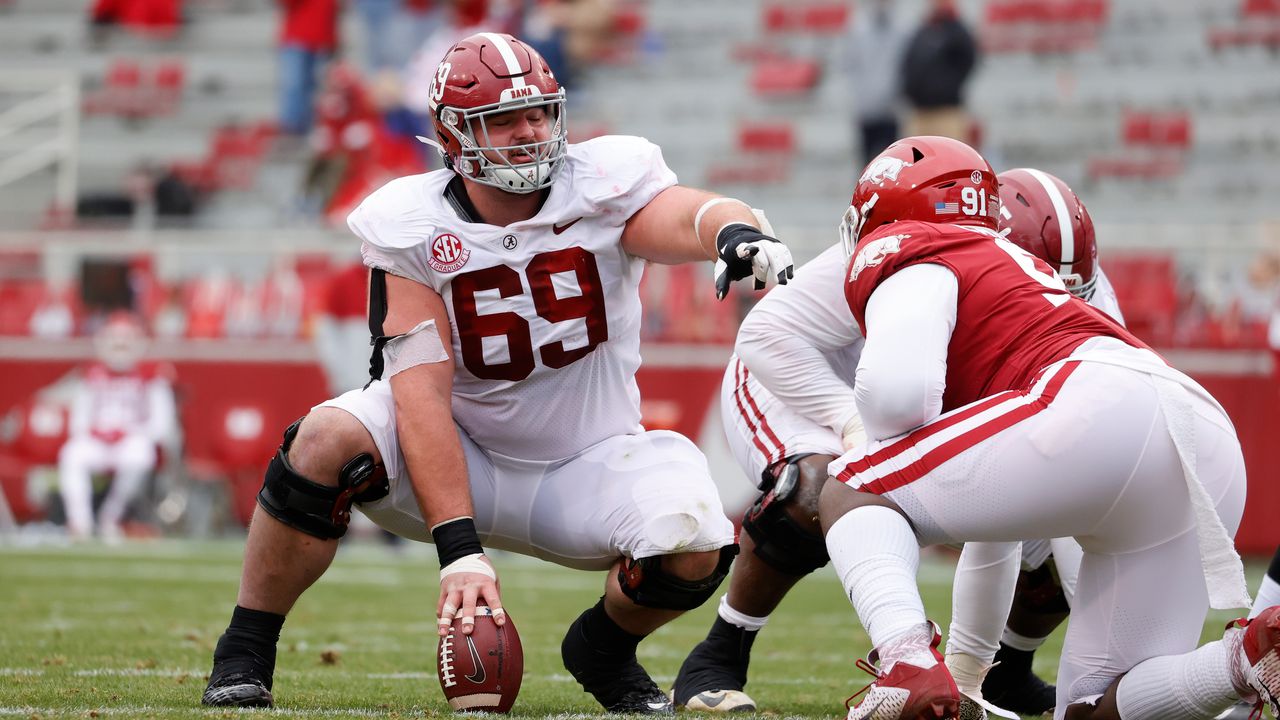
<point x="128" y="631"/>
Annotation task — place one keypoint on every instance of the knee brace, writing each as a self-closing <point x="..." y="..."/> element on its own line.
<point x="648" y="585"/>
<point x="781" y="542"/>
<point x="321" y="511"/>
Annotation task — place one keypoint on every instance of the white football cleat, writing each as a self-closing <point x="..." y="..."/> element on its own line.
<point x="721" y="701"/>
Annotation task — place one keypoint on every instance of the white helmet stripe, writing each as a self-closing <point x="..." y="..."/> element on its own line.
<point x="508" y="56"/>
<point x="1064" y="220"/>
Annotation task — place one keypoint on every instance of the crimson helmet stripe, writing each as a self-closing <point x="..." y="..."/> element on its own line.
<point x="1068" y="243"/>
<point x="508" y="56"/>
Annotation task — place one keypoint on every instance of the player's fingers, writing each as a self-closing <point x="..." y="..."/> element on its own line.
<point x="468" y="611"/>
<point x="494" y="601"/>
<point x="448" y="608"/>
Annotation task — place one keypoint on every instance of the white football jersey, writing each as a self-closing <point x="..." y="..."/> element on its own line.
<point x="803" y="345"/>
<point x="1104" y="296"/>
<point x="545" y="312"/>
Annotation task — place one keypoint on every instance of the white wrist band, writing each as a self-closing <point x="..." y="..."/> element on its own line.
<point x="697" y="218"/>
<point x="469" y="564"/>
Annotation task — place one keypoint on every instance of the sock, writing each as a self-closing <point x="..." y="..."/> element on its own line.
<point x="1021" y="642"/>
<point x="876" y="556"/>
<point x="1269" y="591"/>
<point x="1195" y="685"/>
<point x="741" y="620"/>
<point x="605" y="636"/>
<point x="252" y="635"/>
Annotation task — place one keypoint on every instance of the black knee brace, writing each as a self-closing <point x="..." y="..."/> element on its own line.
<point x="646" y="583"/>
<point x="322" y="511"/>
<point x="781" y="542"/>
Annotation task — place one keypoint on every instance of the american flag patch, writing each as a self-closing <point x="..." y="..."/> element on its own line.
<point x="946" y="208"/>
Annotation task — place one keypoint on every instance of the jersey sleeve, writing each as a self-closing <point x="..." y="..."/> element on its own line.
<point x="391" y="232"/>
<point x="783" y="339"/>
<point x="903" y="370"/>
<point x="1104" y="297"/>
<point x="620" y="174"/>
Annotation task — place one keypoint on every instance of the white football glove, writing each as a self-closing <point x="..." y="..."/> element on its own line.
<point x="745" y="250"/>
<point x="853" y="434"/>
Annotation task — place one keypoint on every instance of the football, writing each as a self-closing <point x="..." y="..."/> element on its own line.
<point x="480" y="672"/>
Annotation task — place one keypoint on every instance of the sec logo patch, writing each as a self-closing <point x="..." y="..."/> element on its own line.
<point x="448" y="253"/>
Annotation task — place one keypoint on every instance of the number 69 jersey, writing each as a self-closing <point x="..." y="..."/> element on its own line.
<point x="545" y="312"/>
<point x="1014" y="316"/>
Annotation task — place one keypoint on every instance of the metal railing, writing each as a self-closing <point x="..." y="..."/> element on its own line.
<point x="41" y="129"/>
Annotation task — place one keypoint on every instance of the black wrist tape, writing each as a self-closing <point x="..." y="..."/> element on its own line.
<point x="456" y="539"/>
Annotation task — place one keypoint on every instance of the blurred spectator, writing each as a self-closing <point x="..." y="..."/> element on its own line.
<point x="1264" y="274"/>
<point x="122" y="415"/>
<point x="569" y="34"/>
<point x="873" y="55"/>
<point x="308" y="38"/>
<point x="353" y="148"/>
<point x="940" y="57"/>
<point x="394" y="29"/>
<point x="157" y="18"/>
<point x="147" y="192"/>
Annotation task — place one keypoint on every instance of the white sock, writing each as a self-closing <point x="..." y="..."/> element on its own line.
<point x="1021" y="642"/>
<point x="1268" y="595"/>
<point x="742" y="620"/>
<point x="1195" y="685"/>
<point x="876" y="556"/>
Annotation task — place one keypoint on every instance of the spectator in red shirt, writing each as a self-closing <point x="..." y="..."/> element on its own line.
<point x="308" y="38"/>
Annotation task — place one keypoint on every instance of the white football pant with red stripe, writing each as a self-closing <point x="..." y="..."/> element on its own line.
<point x="1085" y="452"/>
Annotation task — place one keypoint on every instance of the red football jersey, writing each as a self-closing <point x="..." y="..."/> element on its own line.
<point x="1014" y="316"/>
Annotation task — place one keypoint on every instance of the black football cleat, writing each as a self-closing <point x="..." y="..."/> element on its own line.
<point x="1012" y="685"/>
<point x="242" y="680"/>
<point x="619" y="685"/>
<point x="712" y="678"/>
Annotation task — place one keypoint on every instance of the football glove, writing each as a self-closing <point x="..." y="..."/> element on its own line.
<point x="745" y="251"/>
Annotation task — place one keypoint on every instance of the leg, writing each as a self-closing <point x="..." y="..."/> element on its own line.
<point x="294" y="86"/>
<point x="1039" y="607"/>
<point x="135" y="458"/>
<point x="75" y="483"/>
<point x="876" y="555"/>
<point x="648" y="499"/>
<point x="282" y="561"/>
<point x="781" y="544"/>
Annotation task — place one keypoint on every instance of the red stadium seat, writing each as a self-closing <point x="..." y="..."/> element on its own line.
<point x="767" y="138"/>
<point x="1261" y="9"/>
<point x="792" y="76"/>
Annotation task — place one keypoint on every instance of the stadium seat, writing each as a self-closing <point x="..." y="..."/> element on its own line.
<point x="785" y="76"/>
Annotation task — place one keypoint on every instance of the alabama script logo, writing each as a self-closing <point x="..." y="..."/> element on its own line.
<point x="874" y="253"/>
<point x="447" y="254"/>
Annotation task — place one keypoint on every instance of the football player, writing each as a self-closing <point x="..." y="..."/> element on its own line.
<point x="504" y="411"/>
<point x="1039" y="213"/>
<point x="788" y="408"/>
<point x="999" y="407"/>
<point x="123" y="412"/>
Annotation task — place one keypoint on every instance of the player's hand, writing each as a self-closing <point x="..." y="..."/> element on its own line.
<point x="464" y="584"/>
<point x="746" y="251"/>
<point x="853" y="434"/>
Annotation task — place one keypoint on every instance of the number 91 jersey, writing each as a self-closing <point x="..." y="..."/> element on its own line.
<point x="1014" y="315"/>
<point x="545" y="312"/>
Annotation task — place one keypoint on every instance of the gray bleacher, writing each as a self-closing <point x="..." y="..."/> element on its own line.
<point x="687" y="92"/>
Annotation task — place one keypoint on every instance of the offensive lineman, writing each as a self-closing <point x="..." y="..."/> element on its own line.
<point x="505" y="316"/>
<point x="1001" y="408"/>
<point x="788" y="406"/>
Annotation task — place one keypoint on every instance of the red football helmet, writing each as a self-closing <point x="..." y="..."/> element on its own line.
<point x="484" y="75"/>
<point x="926" y="178"/>
<point x="1044" y="217"/>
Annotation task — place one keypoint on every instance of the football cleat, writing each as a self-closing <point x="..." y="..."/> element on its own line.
<point x="241" y="677"/>
<point x="1261" y="665"/>
<point x="619" y="685"/>
<point x="1012" y="684"/>
<point x="711" y="679"/>
<point x="720" y="701"/>
<point x="907" y="691"/>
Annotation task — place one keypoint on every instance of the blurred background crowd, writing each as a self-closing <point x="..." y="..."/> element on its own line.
<point x="175" y="177"/>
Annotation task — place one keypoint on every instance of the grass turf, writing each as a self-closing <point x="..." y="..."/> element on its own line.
<point x="128" y="631"/>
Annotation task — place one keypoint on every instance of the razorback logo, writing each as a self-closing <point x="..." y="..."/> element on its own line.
<point x="883" y="169"/>
<point x="448" y="254"/>
<point x="874" y="253"/>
